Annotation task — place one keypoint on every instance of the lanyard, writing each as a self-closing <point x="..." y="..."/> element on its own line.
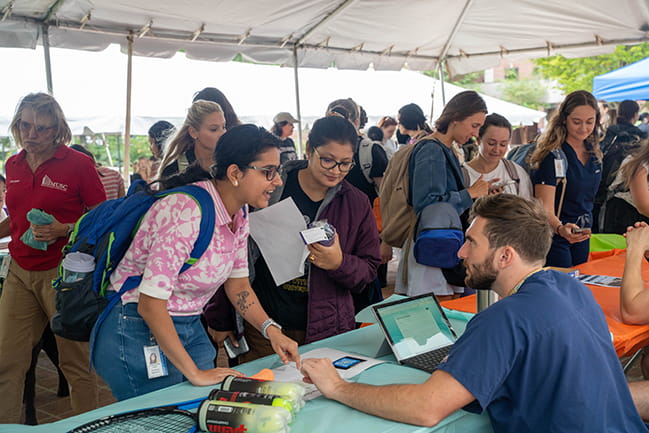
<point x="520" y="283"/>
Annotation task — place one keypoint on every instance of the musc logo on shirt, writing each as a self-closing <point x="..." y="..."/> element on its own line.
<point x="49" y="183"/>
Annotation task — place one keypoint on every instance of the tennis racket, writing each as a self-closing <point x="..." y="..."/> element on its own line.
<point x="164" y="419"/>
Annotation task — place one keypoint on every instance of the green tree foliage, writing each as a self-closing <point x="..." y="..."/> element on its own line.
<point x="472" y="80"/>
<point x="7" y="148"/>
<point x="529" y="93"/>
<point x="578" y="74"/>
<point x="114" y="144"/>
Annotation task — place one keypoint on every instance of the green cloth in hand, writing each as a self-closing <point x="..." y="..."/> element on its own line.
<point x="38" y="217"/>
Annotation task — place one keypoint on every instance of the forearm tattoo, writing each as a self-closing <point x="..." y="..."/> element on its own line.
<point x="242" y="302"/>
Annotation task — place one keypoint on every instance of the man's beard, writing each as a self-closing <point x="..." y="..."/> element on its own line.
<point x="483" y="275"/>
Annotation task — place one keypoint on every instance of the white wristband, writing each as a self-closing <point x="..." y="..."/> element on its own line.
<point x="268" y="323"/>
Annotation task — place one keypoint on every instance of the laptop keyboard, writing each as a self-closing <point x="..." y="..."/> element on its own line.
<point x="428" y="361"/>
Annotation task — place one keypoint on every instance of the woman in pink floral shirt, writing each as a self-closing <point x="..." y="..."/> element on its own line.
<point x="162" y="316"/>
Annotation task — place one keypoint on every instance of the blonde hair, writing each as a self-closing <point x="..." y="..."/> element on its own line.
<point x="182" y="141"/>
<point x="346" y="108"/>
<point x="639" y="159"/>
<point x="556" y="132"/>
<point x="43" y="105"/>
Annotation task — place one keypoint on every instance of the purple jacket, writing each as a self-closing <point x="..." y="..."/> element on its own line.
<point x="330" y="306"/>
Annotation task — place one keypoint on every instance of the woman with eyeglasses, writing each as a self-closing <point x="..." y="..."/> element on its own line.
<point x="319" y="304"/>
<point x="47" y="175"/>
<point x="162" y="315"/>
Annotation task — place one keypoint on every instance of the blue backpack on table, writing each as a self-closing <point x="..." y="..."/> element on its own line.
<point x="106" y="233"/>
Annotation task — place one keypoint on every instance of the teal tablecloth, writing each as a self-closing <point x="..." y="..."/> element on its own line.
<point x="319" y="415"/>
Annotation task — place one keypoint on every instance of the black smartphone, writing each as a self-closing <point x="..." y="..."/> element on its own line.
<point x="346" y="362"/>
<point x="233" y="351"/>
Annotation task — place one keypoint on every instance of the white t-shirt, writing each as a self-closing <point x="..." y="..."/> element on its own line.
<point x="500" y="172"/>
<point x="390" y="147"/>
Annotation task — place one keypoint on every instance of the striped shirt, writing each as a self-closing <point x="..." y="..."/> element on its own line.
<point x="111" y="180"/>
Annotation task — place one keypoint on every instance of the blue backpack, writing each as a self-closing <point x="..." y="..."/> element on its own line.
<point x="522" y="153"/>
<point x="106" y="233"/>
<point x="439" y="236"/>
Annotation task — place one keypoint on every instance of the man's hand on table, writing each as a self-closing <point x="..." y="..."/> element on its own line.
<point x="322" y="373"/>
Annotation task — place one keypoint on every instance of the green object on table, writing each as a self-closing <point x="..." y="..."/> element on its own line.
<point x="607" y="242"/>
<point x="40" y="218"/>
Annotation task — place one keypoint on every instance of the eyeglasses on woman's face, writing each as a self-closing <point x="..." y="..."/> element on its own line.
<point x="330" y="164"/>
<point x="270" y="171"/>
<point x="26" y="127"/>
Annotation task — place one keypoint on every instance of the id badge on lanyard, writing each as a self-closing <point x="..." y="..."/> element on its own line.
<point x="559" y="168"/>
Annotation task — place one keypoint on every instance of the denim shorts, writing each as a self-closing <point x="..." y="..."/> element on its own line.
<point x="118" y="355"/>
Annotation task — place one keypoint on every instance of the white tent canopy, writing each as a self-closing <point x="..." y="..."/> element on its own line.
<point x="91" y="91"/>
<point x="352" y="34"/>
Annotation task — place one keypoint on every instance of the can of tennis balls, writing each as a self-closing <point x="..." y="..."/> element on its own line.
<point x="251" y="397"/>
<point x="291" y="391"/>
<point x="233" y="417"/>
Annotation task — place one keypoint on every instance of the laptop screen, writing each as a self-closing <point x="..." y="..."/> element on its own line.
<point x="414" y="326"/>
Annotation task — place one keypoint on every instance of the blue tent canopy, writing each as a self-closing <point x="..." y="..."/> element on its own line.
<point x="628" y="82"/>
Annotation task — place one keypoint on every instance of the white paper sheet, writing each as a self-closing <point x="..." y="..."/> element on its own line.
<point x="288" y="372"/>
<point x="276" y="230"/>
<point x="601" y="280"/>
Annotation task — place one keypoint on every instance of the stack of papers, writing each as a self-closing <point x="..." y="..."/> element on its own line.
<point x="601" y="280"/>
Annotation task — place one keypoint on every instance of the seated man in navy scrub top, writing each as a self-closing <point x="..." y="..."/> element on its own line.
<point x="538" y="360"/>
<point x="574" y="128"/>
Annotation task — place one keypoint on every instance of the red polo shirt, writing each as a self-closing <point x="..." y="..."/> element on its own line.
<point x="63" y="186"/>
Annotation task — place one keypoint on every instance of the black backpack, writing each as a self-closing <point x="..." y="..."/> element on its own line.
<point x="615" y="147"/>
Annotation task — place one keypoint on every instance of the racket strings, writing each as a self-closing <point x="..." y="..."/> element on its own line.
<point x="148" y="423"/>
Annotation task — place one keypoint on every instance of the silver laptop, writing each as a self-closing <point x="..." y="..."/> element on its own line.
<point x="417" y="330"/>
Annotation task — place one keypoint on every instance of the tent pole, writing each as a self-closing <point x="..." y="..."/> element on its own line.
<point x="440" y="66"/>
<point x="432" y="104"/>
<point x="297" y="103"/>
<point x="48" y="64"/>
<point x="127" y="123"/>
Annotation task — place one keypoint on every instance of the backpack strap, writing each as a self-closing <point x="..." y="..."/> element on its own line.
<point x="510" y="166"/>
<point x="208" y="220"/>
<point x="466" y="177"/>
<point x="561" y="155"/>
<point x="457" y="174"/>
<point x="365" y="158"/>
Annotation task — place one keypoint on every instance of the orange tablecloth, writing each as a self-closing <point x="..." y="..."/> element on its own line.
<point x="627" y="339"/>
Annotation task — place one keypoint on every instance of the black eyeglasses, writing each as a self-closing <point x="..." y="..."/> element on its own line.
<point x="330" y="164"/>
<point x="39" y="129"/>
<point x="270" y="171"/>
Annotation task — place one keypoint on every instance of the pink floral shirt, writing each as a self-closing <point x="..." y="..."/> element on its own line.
<point x="165" y="240"/>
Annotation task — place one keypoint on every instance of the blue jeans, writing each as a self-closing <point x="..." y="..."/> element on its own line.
<point x="118" y="354"/>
